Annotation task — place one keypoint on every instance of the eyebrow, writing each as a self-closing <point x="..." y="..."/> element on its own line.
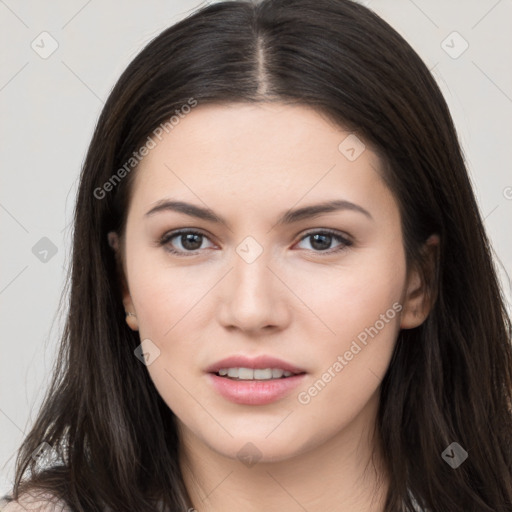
<point x="289" y="217"/>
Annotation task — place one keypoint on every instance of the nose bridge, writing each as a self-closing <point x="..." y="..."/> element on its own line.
<point x="251" y="261"/>
<point x="252" y="288"/>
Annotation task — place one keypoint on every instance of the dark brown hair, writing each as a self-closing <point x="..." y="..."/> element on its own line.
<point x="449" y="379"/>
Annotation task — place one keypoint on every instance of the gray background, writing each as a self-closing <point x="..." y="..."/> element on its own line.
<point x="49" y="105"/>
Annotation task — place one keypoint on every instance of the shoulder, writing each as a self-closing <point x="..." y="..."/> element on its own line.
<point x="34" y="502"/>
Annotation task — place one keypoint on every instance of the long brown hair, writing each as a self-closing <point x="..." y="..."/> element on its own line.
<point x="449" y="379"/>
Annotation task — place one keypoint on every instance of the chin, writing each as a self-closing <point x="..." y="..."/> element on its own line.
<point x="260" y="447"/>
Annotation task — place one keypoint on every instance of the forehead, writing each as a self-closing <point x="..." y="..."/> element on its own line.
<point x="258" y="153"/>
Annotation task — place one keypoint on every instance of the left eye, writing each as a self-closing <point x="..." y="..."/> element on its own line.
<point x="191" y="241"/>
<point x="323" y="238"/>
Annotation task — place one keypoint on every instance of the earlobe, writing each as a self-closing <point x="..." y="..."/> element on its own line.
<point x="414" y="311"/>
<point x="131" y="320"/>
<point x="131" y="317"/>
<point x="419" y="297"/>
<point x="113" y="240"/>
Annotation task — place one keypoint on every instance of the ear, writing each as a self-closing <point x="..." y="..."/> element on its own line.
<point x="131" y="317"/>
<point x="420" y="288"/>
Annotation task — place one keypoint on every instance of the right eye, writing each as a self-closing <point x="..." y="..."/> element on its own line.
<point x="189" y="239"/>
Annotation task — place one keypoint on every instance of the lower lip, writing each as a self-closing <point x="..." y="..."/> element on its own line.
<point x="254" y="392"/>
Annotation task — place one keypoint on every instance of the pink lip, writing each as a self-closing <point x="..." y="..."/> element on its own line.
<point x="254" y="392"/>
<point x="262" y="362"/>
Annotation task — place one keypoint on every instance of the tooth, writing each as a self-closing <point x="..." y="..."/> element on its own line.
<point x="245" y="373"/>
<point x="254" y="374"/>
<point x="263" y="374"/>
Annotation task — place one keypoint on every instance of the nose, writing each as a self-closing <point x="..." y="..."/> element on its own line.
<point x="253" y="297"/>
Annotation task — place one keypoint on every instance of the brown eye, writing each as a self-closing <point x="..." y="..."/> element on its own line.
<point x="186" y="240"/>
<point x="322" y="240"/>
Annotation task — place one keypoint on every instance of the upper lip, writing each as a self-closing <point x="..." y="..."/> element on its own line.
<point x="263" y="361"/>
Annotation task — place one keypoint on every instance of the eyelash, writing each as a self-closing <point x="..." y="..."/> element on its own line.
<point x="345" y="242"/>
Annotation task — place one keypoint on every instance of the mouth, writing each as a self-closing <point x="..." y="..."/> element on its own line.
<point x="259" y="380"/>
<point x="255" y="374"/>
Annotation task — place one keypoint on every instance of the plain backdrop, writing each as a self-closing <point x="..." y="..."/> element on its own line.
<point x="59" y="61"/>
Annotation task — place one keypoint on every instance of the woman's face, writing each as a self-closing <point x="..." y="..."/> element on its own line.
<point x="258" y="285"/>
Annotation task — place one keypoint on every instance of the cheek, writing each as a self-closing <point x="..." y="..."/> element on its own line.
<point x="350" y="364"/>
<point x="167" y="307"/>
<point x="361" y="307"/>
<point x="165" y="296"/>
<point x="170" y="304"/>
<point x="352" y="296"/>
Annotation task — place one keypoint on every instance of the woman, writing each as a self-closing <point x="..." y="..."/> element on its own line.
<point x="262" y="367"/>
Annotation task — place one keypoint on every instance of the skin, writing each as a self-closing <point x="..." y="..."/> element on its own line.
<point x="250" y="164"/>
